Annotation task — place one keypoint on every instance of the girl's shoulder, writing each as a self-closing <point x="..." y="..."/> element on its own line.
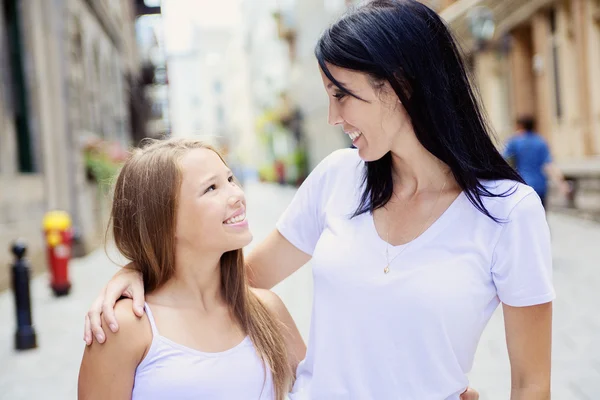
<point x="134" y="334"/>
<point x="270" y="300"/>
<point x="122" y="351"/>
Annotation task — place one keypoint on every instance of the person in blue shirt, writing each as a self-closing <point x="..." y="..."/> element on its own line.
<point x="530" y="155"/>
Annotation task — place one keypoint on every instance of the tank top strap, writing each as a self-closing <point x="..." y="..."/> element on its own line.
<point x="151" y="319"/>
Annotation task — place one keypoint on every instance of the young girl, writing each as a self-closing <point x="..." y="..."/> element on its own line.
<point x="180" y="216"/>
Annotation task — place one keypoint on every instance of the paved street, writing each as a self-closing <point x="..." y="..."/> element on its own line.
<point x="50" y="372"/>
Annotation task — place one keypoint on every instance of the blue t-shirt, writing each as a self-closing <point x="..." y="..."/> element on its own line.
<point x="530" y="153"/>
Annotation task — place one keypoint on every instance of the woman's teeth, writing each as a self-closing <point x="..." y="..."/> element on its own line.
<point x="235" y="220"/>
<point x="354" y="135"/>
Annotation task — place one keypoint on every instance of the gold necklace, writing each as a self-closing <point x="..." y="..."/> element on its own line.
<point x="387" y="242"/>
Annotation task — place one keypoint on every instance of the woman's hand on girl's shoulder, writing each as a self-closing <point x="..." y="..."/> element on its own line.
<point x="134" y="334"/>
<point x="125" y="283"/>
<point x="108" y="370"/>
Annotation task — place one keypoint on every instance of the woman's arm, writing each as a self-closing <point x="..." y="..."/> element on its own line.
<point x="273" y="260"/>
<point x="107" y="370"/>
<point x="296" y="348"/>
<point x="529" y="342"/>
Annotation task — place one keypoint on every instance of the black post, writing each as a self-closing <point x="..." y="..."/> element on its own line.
<point x="25" y="335"/>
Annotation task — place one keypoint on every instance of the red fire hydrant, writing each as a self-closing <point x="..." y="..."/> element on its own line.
<point x="280" y="171"/>
<point x="59" y="239"/>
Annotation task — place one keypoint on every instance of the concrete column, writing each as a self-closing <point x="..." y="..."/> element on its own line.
<point x="524" y="97"/>
<point x="593" y="58"/>
<point x="6" y="145"/>
<point x="8" y="139"/>
<point x="569" y="133"/>
<point x="543" y="74"/>
<point x="445" y="3"/>
<point x="45" y="49"/>
<point x="581" y="11"/>
<point x="491" y="72"/>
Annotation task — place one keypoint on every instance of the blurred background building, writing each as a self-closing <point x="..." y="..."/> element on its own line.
<point x="153" y="88"/>
<point x="535" y="57"/>
<point x="539" y="58"/>
<point x="70" y="101"/>
<point x="81" y="80"/>
<point x="288" y="101"/>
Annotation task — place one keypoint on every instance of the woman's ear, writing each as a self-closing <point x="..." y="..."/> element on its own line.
<point x="403" y="85"/>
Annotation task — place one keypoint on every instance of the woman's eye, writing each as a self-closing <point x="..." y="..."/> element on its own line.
<point x="339" y="96"/>
<point x="231" y="179"/>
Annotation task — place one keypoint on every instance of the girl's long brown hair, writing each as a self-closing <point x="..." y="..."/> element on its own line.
<point x="143" y="218"/>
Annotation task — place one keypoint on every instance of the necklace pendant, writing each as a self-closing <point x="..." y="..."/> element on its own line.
<point x="386" y="269"/>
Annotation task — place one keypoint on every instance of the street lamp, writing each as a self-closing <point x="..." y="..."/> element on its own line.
<point x="481" y="25"/>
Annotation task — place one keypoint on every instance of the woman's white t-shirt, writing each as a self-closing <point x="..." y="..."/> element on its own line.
<point x="410" y="334"/>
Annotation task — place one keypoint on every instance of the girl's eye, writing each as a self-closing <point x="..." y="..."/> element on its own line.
<point x="339" y="96"/>
<point x="211" y="188"/>
<point x="230" y="179"/>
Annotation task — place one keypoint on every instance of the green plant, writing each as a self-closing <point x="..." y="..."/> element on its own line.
<point x="102" y="161"/>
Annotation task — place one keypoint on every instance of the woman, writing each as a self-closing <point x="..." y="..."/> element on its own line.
<point x="181" y="218"/>
<point x="416" y="236"/>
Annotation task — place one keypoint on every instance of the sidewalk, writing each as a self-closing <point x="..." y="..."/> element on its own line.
<point x="50" y="371"/>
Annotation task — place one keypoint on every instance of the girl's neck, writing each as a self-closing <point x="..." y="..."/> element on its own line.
<point x="195" y="284"/>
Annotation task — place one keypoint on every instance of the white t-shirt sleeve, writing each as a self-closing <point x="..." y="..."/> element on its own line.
<point x="522" y="260"/>
<point x="303" y="221"/>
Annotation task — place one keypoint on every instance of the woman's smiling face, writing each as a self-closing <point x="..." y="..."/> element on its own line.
<point x="372" y="123"/>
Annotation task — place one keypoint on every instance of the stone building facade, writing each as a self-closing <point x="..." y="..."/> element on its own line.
<point x="68" y="68"/>
<point x="542" y="60"/>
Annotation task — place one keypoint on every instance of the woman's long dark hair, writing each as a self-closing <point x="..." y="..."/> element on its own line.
<point x="407" y="44"/>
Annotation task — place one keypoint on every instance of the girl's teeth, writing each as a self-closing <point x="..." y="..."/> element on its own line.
<point x="237" y="219"/>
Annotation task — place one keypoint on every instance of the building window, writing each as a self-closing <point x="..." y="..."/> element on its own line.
<point x="18" y="90"/>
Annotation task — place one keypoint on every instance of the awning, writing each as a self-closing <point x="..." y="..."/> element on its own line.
<point x="507" y="15"/>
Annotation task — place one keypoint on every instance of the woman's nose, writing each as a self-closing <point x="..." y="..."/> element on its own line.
<point x="334" y="117"/>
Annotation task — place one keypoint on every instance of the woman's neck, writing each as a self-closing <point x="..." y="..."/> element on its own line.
<point x="416" y="170"/>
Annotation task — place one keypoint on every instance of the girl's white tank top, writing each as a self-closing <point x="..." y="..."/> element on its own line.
<point x="174" y="371"/>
